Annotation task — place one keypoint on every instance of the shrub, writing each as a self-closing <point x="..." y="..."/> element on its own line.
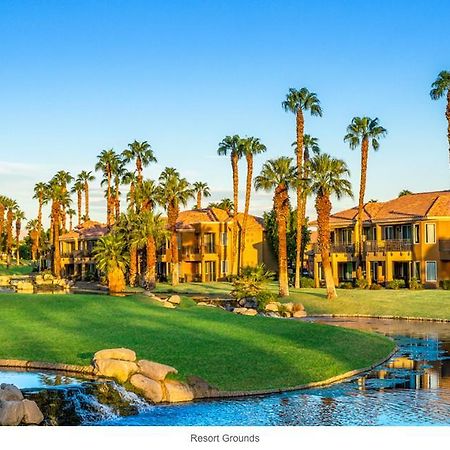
<point x="375" y="287"/>
<point x="362" y="283"/>
<point x="263" y="298"/>
<point x="297" y="307"/>
<point x="414" y="284"/>
<point x="346" y="285"/>
<point x="395" y="284"/>
<point x="446" y="285"/>
<point x="251" y="281"/>
<point x="306" y="282"/>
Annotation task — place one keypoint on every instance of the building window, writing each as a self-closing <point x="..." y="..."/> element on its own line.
<point x="388" y="233"/>
<point x="431" y="274"/>
<point x="430" y="233"/>
<point x="416" y="270"/>
<point x="416" y="233"/>
<point x="406" y="232"/>
<point x="224" y="267"/>
<point x="224" y="238"/>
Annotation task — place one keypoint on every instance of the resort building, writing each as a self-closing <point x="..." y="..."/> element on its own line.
<point x="205" y="243"/>
<point x="404" y="238"/>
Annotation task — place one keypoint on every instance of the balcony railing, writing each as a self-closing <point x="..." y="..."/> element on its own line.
<point x="389" y="245"/>
<point x="337" y="248"/>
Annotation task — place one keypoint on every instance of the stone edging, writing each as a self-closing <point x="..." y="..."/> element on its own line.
<point x="70" y="368"/>
<point x="372" y="316"/>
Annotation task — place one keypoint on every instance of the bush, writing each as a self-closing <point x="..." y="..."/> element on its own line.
<point x="395" y="284"/>
<point x="362" y="283"/>
<point x="251" y="281"/>
<point x="375" y="287"/>
<point x="446" y="285"/>
<point x="346" y="285"/>
<point x="414" y="284"/>
<point x="263" y="298"/>
<point x="306" y="282"/>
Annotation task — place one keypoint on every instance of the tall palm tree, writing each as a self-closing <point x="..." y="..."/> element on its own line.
<point x="39" y="194"/>
<point x="146" y="195"/>
<point x="106" y="162"/>
<point x="328" y="177"/>
<point x="32" y="228"/>
<point x="78" y="188"/>
<point x="70" y="212"/>
<point x="85" y="178"/>
<point x="364" y="132"/>
<point x="118" y="172"/>
<point x="298" y="101"/>
<point x="439" y="88"/>
<point x="130" y="178"/>
<point x="173" y="191"/>
<point x="18" y="217"/>
<point x="279" y="175"/>
<point x="250" y="146"/>
<point x="201" y="190"/>
<point x="142" y="153"/>
<point x="11" y="207"/>
<point x="3" y="203"/>
<point x="232" y="146"/>
<point x="112" y="260"/>
<point x="63" y="178"/>
<point x="226" y="204"/>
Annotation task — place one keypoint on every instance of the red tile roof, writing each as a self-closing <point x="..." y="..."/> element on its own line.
<point x="87" y="230"/>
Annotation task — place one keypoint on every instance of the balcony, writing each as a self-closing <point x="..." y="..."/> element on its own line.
<point x="337" y="248"/>
<point x="389" y="245"/>
<point x="444" y="249"/>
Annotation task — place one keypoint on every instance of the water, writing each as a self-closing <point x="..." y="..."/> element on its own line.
<point x="413" y="388"/>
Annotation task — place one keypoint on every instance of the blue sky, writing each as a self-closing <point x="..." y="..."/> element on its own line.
<point x="81" y="76"/>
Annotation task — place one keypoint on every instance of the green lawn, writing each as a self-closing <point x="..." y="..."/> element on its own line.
<point x="25" y="269"/>
<point x="232" y="352"/>
<point x="427" y="303"/>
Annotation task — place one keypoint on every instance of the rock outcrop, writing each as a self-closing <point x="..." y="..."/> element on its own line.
<point x="154" y="370"/>
<point x="14" y="409"/>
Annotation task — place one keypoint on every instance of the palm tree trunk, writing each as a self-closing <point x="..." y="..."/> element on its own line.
<point x="79" y="199"/>
<point x="281" y="206"/>
<point x="199" y="200"/>
<point x="86" y="200"/>
<point x="172" y="213"/>
<point x="133" y="265"/>
<point x="150" y="275"/>
<point x="298" y="235"/>
<point x="41" y="201"/>
<point x="139" y="170"/>
<point x="323" y="208"/>
<point x="18" y="226"/>
<point x="116" y="281"/>
<point x="117" y="202"/>
<point x="362" y="190"/>
<point x="9" y="235"/>
<point x="56" y="253"/>
<point x="447" y="115"/>
<point x="2" y="218"/>
<point x="248" y="191"/>
<point x="108" y="201"/>
<point x="235" y="170"/>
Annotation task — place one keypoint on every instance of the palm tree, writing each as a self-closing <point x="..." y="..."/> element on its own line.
<point x="129" y="177"/>
<point x="40" y="190"/>
<point x="201" y="190"/>
<point x="250" y="146"/>
<point x="328" y="177"/>
<point x="142" y="153"/>
<point x="226" y="204"/>
<point x="173" y="191"/>
<point x="3" y="203"/>
<point x="32" y="228"/>
<point x="78" y="188"/>
<point x="364" y="132"/>
<point x="112" y="260"/>
<point x="298" y="101"/>
<point x="439" y="88"/>
<point x="18" y="217"/>
<point x="404" y="192"/>
<point x="145" y="195"/>
<point x="232" y="145"/>
<point x="85" y="177"/>
<point x="118" y="173"/>
<point x="279" y="175"/>
<point x="63" y="178"/>
<point x="70" y="212"/>
<point x="11" y="207"/>
<point x="106" y="162"/>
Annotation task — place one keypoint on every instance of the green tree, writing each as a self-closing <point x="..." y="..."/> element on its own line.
<point x="106" y="162"/>
<point x="201" y="190"/>
<point x="85" y="177"/>
<point x="142" y="153"/>
<point x="404" y="192"/>
<point x="441" y="88"/>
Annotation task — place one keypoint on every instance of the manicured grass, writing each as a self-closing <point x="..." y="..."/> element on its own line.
<point x="232" y="352"/>
<point x="25" y="269"/>
<point x="427" y="303"/>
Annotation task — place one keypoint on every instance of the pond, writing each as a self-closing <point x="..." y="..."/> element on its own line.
<point x="412" y="388"/>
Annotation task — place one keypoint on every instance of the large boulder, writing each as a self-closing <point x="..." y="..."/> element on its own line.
<point x="151" y="389"/>
<point x="240" y="310"/>
<point x="25" y="286"/>
<point x="115" y="368"/>
<point x="200" y="387"/>
<point x="124" y="354"/>
<point x="154" y="370"/>
<point x="32" y="413"/>
<point x="272" y="307"/>
<point x="250" y="312"/>
<point x="11" y="412"/>
<point x="5" y="280"/>
<point x="169" y="305"/>
<point x="299" y="314"/>
<point x="174" y="299"/>
<point x="176" y="391"/>
<point x="10" y="392"/>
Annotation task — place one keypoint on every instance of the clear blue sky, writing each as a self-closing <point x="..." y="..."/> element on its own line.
<point x="77" y="77"/>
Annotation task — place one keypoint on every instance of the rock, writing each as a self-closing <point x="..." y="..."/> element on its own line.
<point x="273" y="314"/>
<point x="202" y="304"/>
<point x="286" y="314"/>
<point x="124" y="354"/>
<point x="211" y="305"/>
<point x="114" y="368"/>
<point x="176" y="391"/>
<point x="298" y="314"/>
<point x="10" y="392"/>
<point x="200" y="387"/>
<point x="47" y="276"/>
<point x="289" y="306"/>
<point x="24" y="286"/>
<point x="298" y="307"/>
<point x="5" y="280"/>
<point x="250" y="312"/>
<point x="151" y="389"/>
<point x="239" y="310"/>
<point x="154" y="370"/>
<point x="272" y="306"/>
<point x="175" y="299"/>
<point x="169" y="305"/>
<point x="32" y="413"/>
<point x="11" y="412"/>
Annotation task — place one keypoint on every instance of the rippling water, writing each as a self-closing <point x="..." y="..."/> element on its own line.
<point x="413" y="388"/>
